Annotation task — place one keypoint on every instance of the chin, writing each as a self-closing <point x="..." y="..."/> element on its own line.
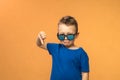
<point x="67" y="45"/>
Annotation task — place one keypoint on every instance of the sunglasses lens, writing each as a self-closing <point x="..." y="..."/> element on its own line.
<point x="61" y="37"/>
<point x="70" y="37"/>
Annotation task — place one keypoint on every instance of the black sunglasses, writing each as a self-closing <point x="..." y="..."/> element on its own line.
<point x="70" y="37"/>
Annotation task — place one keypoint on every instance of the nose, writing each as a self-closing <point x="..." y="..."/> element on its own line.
<point x="65" y="37"/>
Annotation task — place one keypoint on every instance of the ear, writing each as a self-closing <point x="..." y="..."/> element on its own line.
<point x="77" y="34"/>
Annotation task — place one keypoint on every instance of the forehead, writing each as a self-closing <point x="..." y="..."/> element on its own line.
<point x="63" y="28"/>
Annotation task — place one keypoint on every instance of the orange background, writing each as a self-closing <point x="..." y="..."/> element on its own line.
<point x="21" y="21"/>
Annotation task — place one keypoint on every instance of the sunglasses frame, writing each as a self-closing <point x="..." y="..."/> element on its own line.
<point x="65" y="36"/>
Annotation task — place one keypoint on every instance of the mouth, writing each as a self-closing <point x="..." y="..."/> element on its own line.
<point x="65" y="42"/>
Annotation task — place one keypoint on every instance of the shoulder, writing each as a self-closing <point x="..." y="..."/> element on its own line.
<point x="53" y="48"/>
<point x="53" y="44"/>
<point x="82" y="51"/>
<point x="83" y="54"/>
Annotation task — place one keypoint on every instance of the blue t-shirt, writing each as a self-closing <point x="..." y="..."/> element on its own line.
<point x="67" y="64"/>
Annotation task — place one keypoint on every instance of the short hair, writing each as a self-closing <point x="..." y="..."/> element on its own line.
<point x="69" y="20"/>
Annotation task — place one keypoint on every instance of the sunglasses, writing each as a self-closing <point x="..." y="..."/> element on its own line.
<point x="70" y="37"/>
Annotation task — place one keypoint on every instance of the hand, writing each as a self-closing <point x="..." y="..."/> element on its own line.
<point x="42" y="36"/>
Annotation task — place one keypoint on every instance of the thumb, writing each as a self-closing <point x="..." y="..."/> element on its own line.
<point x="41" y="40"/>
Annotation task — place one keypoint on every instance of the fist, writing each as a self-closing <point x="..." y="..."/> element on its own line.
<point x="42" y="36"/>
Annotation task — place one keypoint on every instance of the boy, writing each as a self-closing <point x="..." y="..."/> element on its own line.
<point x="69" y="62"/>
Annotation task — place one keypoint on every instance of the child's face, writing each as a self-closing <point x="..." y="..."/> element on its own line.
<point x="64" y="29"/>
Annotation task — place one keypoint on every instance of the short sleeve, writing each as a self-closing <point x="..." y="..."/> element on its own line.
<point x="84" y="59"/>
<point x="52" y="48"/>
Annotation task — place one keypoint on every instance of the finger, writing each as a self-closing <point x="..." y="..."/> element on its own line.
<point x="43" y="36"/>
<point x="41" y="40"/>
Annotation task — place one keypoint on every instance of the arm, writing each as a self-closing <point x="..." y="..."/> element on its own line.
<point x="41" y="40"/>
<point x="85" y="76"/>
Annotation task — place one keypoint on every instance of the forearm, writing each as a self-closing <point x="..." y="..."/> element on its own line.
<point x="85" y="76"/>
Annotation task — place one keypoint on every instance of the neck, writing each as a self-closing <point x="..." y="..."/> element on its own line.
<point x="71" y="46"/>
